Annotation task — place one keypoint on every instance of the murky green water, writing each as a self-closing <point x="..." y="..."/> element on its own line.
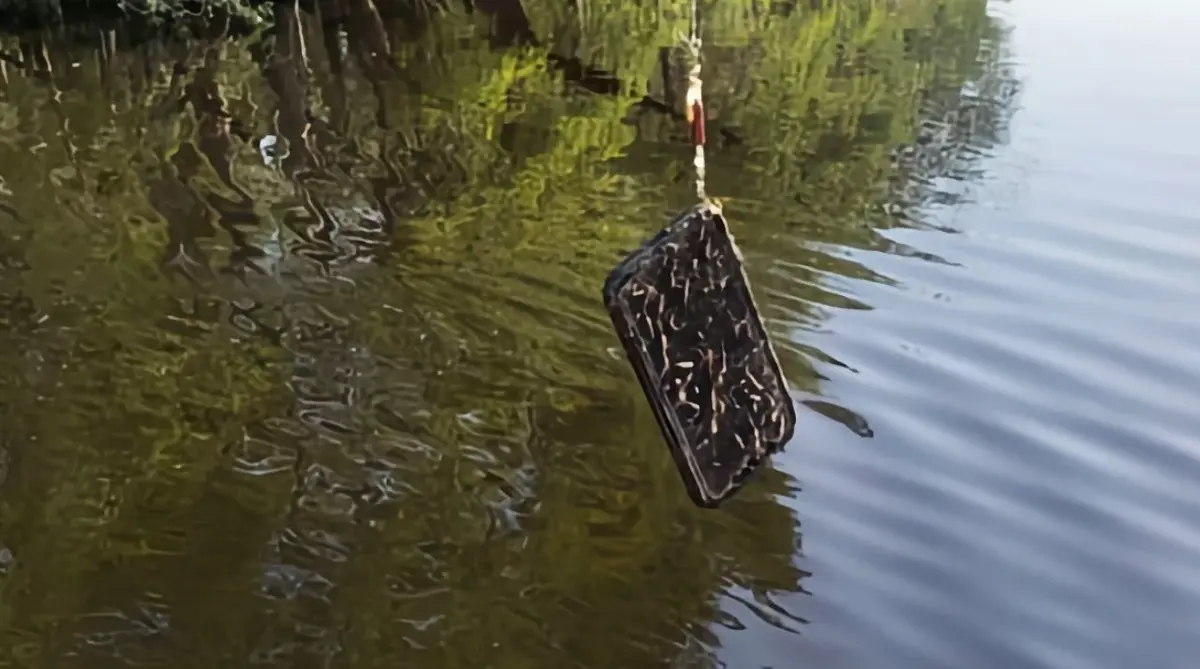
<point x="303" y="363"/>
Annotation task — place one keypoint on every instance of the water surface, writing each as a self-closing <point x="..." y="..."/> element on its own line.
<point x="302" y="361"/>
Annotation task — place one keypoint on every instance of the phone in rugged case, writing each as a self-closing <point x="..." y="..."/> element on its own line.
<point x="682" y="308"/>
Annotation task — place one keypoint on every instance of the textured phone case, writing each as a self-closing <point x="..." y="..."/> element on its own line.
<point x="684" y="313"/>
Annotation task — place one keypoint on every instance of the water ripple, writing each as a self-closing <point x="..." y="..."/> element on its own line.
<point x="304" y="362"/>
<point x="1028" y="497"/>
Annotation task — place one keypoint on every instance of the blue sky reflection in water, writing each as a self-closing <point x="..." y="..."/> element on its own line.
<point x="233" y="436"/>
<point x="1029" y="498"/>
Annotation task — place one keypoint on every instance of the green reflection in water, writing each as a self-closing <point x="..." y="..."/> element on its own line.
<point x="356" y="399"/>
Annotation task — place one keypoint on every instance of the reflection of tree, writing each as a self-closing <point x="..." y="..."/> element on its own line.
<point x="964" y="112"/>
<point x="370" y="409"/>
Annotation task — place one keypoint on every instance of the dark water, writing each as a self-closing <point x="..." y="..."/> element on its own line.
<point x="303" y="362"/>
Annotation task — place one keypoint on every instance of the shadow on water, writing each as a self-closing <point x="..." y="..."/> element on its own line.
<point x="303" y="356"/>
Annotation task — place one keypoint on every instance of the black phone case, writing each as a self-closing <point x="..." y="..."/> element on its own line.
<point x="683" y="310"/>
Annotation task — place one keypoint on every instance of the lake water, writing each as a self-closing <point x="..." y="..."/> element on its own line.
<point x="303" y="362"/>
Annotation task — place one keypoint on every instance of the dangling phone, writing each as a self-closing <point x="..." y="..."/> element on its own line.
<point x="683" y="310"/>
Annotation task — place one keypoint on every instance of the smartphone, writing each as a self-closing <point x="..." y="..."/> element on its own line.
<point x="683" y="311"/>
